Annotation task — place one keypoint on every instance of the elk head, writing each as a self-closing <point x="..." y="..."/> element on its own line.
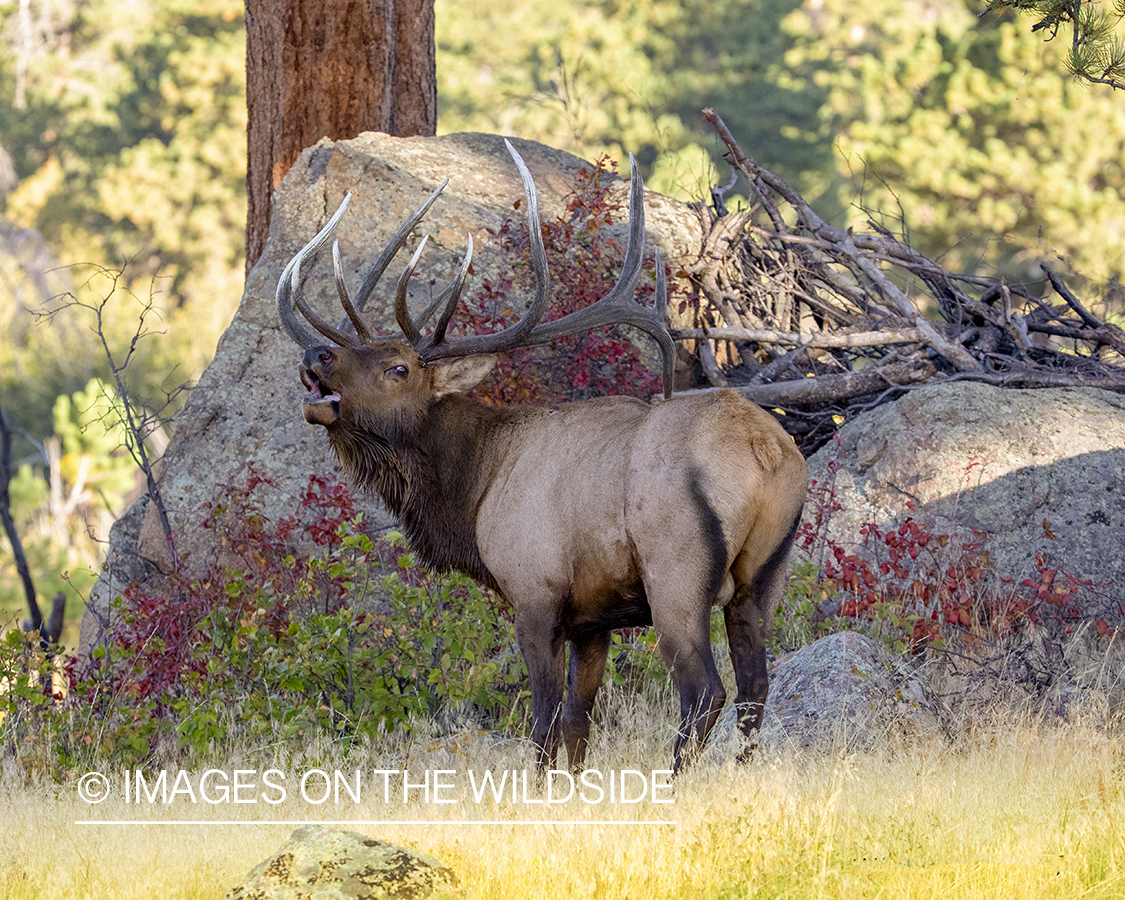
<point x="363" y="374"/>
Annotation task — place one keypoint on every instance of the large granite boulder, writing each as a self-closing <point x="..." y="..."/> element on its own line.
<point x="246" y="407"/>
<point x="993" y="464"/>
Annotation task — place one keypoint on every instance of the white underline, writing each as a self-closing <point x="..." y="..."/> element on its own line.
<point x="371" y="822"/>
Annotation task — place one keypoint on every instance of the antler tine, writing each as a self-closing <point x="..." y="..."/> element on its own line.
<point x="362" y="331"/>
<point x="539" y="266"/>
<point x="409" y="328"/>
<point x="393" y="246"/>
<point x="661" y="335"/>
<point x="436" y="347"/>
<point x="316" y="320"/>
<point x="452" y="293"/>
<point x="412" y="328"/>
<point x="289" y="286"/>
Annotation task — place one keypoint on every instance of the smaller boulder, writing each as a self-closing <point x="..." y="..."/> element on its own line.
<point x="319" y="863"/>
<point x="1075" y="704"/>
<point x="1029" y="473"/>
<point x="845" y="692"/>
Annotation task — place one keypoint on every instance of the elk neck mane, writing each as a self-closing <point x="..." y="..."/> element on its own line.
<point x="431" y="471"/>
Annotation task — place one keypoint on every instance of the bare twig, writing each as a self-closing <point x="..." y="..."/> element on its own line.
<point x="138" y="423"/>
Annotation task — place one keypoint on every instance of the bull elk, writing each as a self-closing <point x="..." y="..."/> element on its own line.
<point x="586" y="516"/>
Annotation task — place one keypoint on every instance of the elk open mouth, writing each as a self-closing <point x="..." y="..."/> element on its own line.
<point x="322" y="405"/>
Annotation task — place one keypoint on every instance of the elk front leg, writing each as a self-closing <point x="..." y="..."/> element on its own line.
<point x="542" y="654"/>
<point x="587" y="667"/>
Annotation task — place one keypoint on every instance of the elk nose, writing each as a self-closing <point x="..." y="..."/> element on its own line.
<point x="317" y="356"/>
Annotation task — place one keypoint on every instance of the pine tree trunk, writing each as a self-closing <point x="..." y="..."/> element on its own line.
<point x="330" y="68"/>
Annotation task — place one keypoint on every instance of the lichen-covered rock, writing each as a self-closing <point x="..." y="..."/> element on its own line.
<point x="319" y="863"/>
<point x="994" y="463"/>
<point x="845" y="692"/>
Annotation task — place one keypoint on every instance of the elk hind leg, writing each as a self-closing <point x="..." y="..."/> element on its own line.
<point x="587" y="667"/>
<point x="682" y="589"/>
<point x="754" y="600"/>
<point x="685" y="645"/>
<point x="748" y="657"/>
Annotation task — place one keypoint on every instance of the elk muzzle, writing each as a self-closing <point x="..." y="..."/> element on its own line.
<point x="322" y="405"/>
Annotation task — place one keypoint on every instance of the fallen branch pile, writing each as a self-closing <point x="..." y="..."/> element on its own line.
<point x="821" y="322"/>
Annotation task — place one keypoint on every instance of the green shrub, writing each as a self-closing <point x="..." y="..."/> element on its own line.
<point x="345" y="644"/>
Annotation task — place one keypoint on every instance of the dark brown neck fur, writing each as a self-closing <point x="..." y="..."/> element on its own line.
<point x="432" y="473"/>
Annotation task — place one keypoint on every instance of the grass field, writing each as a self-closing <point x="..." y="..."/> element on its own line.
<point x="1010" y="812"/>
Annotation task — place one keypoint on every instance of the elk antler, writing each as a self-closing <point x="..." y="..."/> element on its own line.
<point x="619" y="306"/>
<point x="289" y="292"/>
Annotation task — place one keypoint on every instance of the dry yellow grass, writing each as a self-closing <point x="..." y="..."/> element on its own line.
<point x="1010" y="812"/>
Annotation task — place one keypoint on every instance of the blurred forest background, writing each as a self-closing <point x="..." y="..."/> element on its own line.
<point x="123" y="131"/>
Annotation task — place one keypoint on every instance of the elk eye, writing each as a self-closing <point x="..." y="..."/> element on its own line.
<point x="397" y="373"/>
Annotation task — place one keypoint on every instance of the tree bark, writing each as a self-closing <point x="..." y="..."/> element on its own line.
<point x="330" y="68"/>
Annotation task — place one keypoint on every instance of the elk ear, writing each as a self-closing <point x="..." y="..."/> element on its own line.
<point x="461" y="374"/>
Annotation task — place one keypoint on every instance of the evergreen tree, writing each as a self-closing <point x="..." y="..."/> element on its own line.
<point x="130" y="147"/>
<point x="620" y="76"/>
<point x="967" y="133"/>
<point x="1096" y="53"/>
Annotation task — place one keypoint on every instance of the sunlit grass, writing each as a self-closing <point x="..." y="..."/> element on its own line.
<point x="1010" y="812"/>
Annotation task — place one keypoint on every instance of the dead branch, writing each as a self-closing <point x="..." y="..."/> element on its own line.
<point x="35" y="616"/>
<point x="815" y="340"/>
<point x="139" y="423"/>
<point x="824" y="321"/>
<point x="834" y="388"/>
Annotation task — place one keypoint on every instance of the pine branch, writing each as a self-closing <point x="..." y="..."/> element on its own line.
<point x="1097" y="54"/>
